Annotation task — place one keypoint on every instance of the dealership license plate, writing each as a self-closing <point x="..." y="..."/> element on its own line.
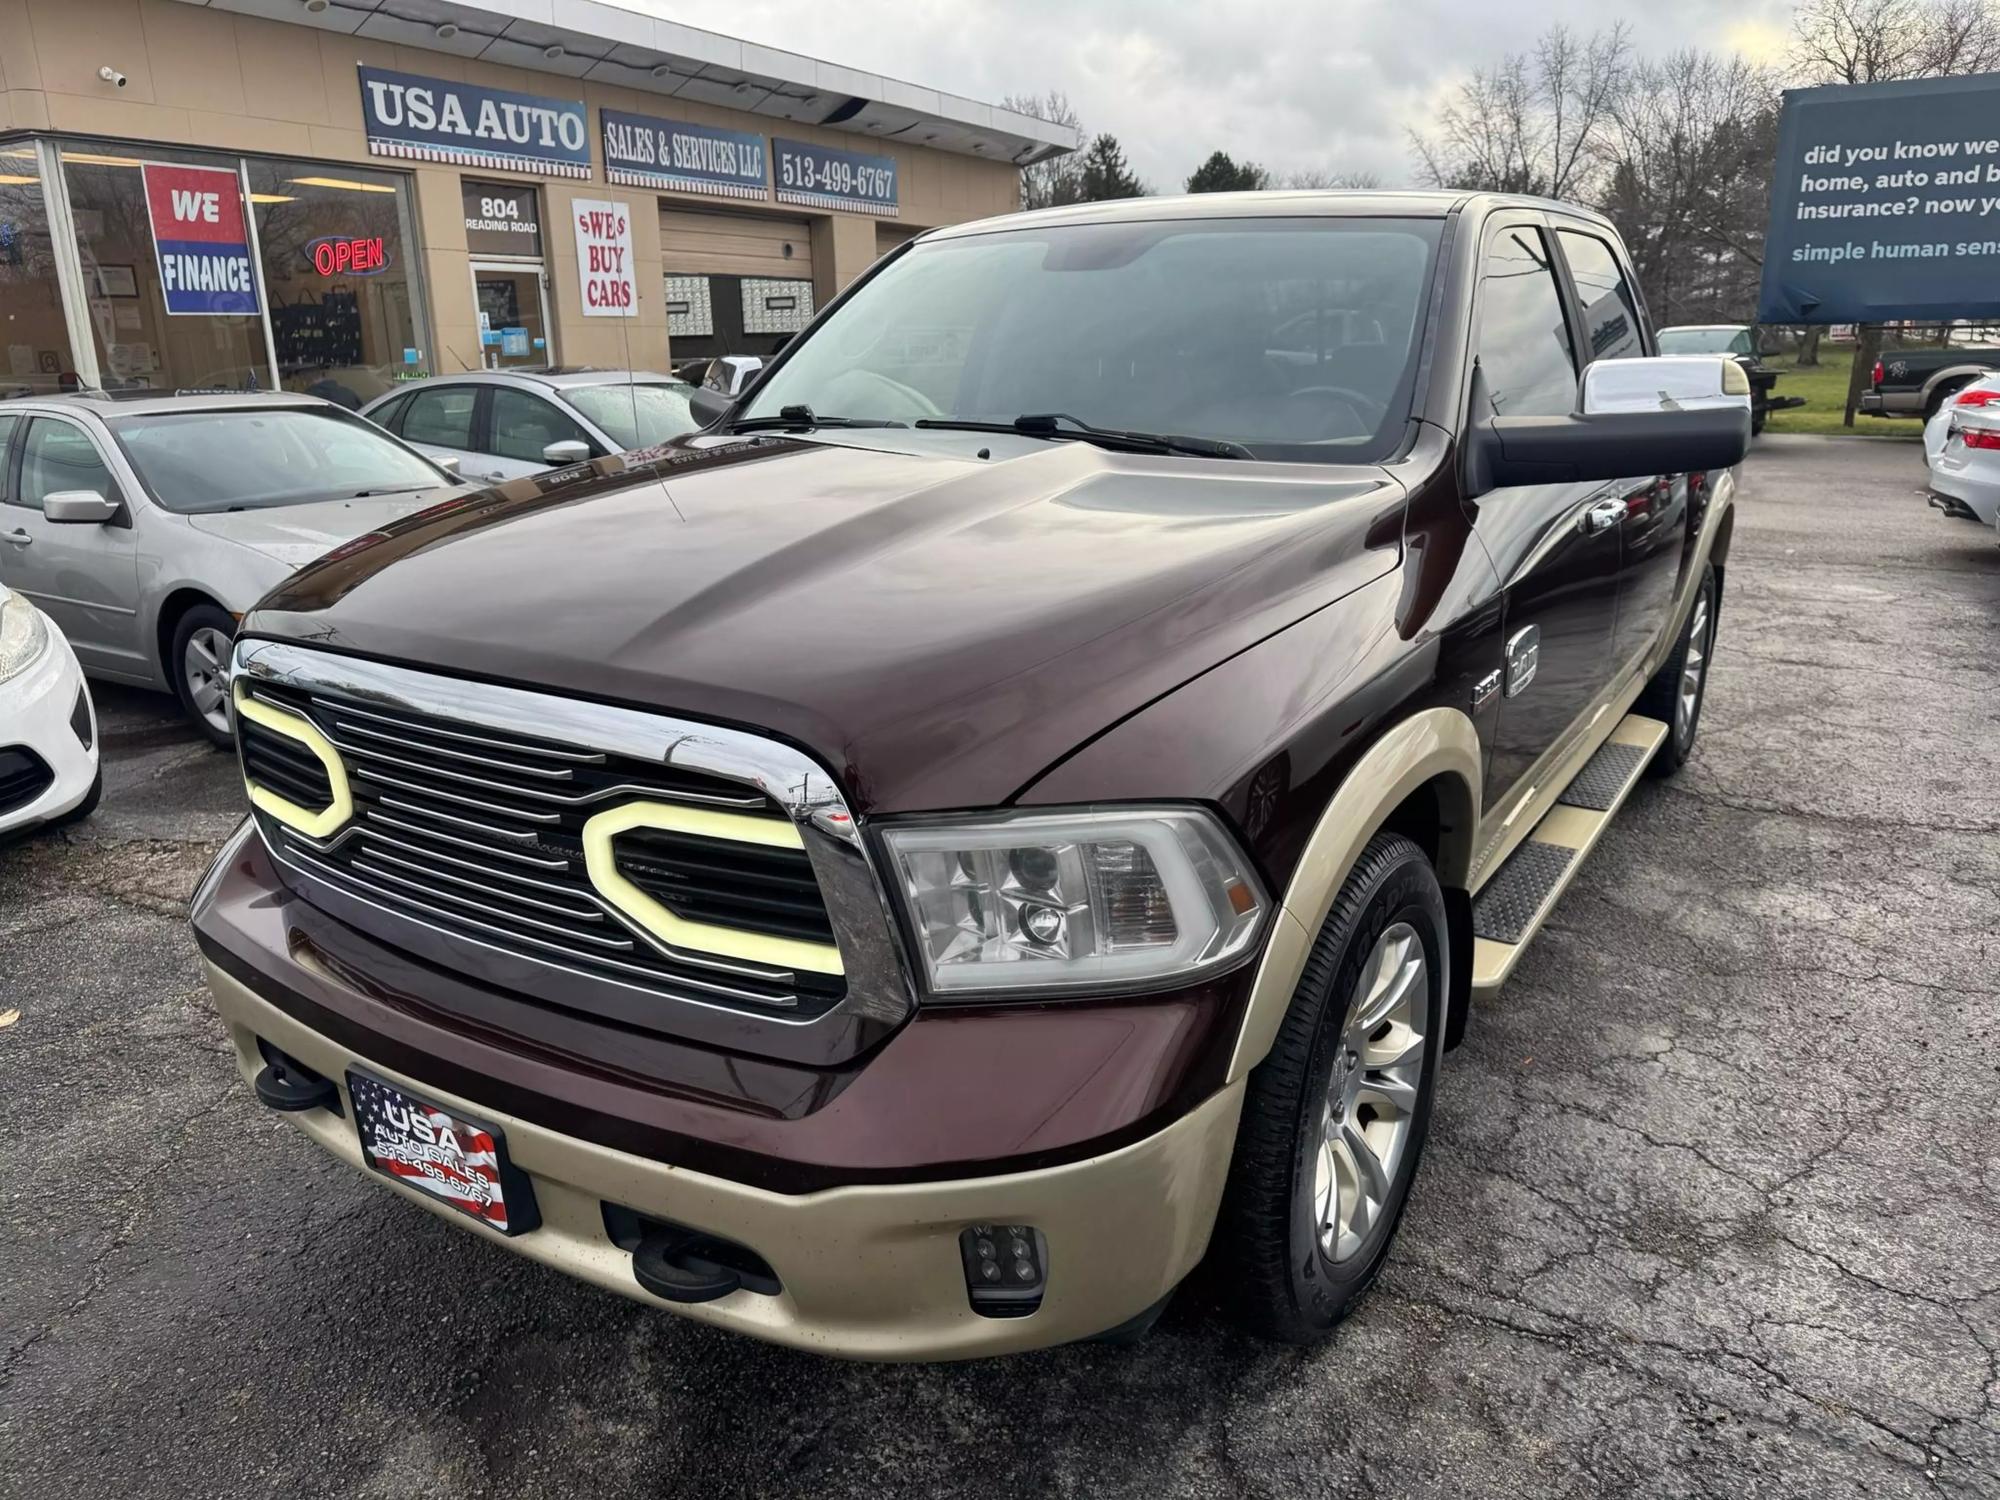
<point x="457" y="1160"/>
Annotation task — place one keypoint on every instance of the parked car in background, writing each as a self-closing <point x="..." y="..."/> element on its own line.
<point x="48" y="726"/>
<point x="146" y="527"/>
<point x="504" y="424"/>
<point x="1739" y="342"/>
<point x="1916" y="382"/>
<point x="1962" y="450"/>
<point x="1037" y="806"/>
<point x="731" y="374"/>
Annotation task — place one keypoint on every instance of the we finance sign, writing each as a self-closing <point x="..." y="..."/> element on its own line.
<point x="200" y="242"/>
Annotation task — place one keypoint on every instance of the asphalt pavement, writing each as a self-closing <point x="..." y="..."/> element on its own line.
<point x="1711" y="1204"/>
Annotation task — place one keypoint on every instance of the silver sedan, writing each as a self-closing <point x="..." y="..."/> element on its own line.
<point x="146" y="528"/>
<point x="507" y="424"/>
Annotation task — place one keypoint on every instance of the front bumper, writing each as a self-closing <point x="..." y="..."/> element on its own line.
<point x="36" y="709"/>
<point x="867" y="1271"/>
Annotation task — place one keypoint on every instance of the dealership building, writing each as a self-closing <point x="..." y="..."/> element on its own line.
<point x="331" y="195"/>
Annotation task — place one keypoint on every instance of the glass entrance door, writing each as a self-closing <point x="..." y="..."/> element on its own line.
<point x="513" y="317"/>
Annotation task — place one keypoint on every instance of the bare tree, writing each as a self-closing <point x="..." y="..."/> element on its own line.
<point x="1533" y="123"/>
<point x="1324" y="177"/>
<point x="1868" y="41"/>
<point x="1873" y="41"/>
<point x="1059" y="179"/>
<point x="1688" y="152"/>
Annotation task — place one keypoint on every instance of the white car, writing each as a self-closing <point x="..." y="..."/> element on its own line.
<point x="48" y="727"/>
<point x="1962" y="447"/>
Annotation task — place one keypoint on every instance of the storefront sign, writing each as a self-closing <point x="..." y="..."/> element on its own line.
<point x="828" y="177"/>
<point x="434" y="119"/>
<point x="604" y="258"/>
<point x="337" y="255"/>
<point x="199" y="241"/>
<point x="645" y="152"/>
<point x="501" y="219"/>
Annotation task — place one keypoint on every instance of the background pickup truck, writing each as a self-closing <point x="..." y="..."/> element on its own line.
<point x="1916" y="382"/>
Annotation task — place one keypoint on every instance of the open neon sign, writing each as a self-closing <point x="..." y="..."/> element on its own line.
<point x="336" y="255"/>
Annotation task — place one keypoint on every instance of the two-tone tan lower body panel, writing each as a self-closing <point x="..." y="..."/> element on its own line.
<point x="868" y="1272"/>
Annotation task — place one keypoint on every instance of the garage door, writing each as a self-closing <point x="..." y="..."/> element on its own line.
<point x="703" y="243"/>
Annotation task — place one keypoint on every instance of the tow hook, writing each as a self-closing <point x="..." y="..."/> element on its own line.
<point x="288" y="1084"/>
<point x="663" y="1266"/>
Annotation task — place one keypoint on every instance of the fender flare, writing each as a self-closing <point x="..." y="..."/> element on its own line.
<point x="1438" y="744"/>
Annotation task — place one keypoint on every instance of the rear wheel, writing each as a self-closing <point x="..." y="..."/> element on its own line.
<point x="198" y="666"/>
<point x="1678" y="689"/>
<point x="1335" y="1117"/>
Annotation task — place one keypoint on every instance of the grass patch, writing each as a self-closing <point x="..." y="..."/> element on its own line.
<point x="1825" y="389"/>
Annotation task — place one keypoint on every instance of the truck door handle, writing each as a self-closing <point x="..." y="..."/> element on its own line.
<point x="16" y="539"/>
<point x="1603" y="516"/>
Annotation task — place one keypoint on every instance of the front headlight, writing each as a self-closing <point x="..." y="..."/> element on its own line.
<point x="23" y="635"/>
<point x="1097" y="900"/>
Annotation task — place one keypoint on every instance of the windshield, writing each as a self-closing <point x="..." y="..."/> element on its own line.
<point x="1294" y="337"/>
<point x="637" y="415"/>
<point x="1705" y="341"/>
<point x="234" y="459"/>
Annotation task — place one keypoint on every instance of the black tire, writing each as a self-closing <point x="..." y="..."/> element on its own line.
<point x="1941" y="395"/>
<point x="201" y="618"/>
<point x="1661" y="698"/>
<point x="1269" y="1264"/>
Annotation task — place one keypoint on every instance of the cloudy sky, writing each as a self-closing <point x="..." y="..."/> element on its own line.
<point x="1334" y="84"/>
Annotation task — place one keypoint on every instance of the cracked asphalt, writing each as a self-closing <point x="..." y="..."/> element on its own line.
<point x="1711" y="1206"/>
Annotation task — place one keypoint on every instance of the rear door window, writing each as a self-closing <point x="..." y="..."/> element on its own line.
<point x="1611" y="322"/>
<point x="1523" y="343"/>
<point x="441" y="415"/>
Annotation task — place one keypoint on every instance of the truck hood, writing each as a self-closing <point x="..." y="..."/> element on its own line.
<point x="936" y="626"/>
<point x="296" y="534"/>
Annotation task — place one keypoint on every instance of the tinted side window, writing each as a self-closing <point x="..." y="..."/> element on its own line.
<point x="523" y="425"/>
<point x="441" y="415"/>
<point x="57" y="457"/>
<point x="1610" y="311"/>
<point x="1523" y="343"/>
<point x="389" y="415"/>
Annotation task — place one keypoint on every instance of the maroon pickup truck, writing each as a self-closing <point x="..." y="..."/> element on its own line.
<point x="1018" y="807"/>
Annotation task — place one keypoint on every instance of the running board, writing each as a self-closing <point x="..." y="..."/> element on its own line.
<point x="1510" y="908"/>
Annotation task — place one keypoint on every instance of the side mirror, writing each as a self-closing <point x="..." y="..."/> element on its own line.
<point x="449" y="465"/>
<point x="709" y="407"/>
<point x="1667" y="415"/>
<point x="568" y="451"/>
<point x="78" y="508"/>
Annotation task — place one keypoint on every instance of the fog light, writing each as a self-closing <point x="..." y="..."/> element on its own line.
<point x="1005" y="1268"/>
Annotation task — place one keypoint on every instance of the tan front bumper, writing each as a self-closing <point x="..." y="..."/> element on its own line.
<point x="869" y="1272"/>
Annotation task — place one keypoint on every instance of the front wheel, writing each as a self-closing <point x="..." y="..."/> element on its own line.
<point x="1677" y="690"/>
<point x="198" y="667"/>
<point x="1335" y="1117"/>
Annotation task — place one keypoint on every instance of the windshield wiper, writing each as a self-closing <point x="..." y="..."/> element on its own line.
<point x="1057" y="424"/>
<point x="393" y="489"/>
<point x="801" y="419"/>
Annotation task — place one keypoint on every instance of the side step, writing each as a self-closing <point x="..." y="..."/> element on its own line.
<point x="1510" y="908"/>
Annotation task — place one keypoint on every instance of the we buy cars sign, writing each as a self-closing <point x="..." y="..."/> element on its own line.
<point x="199" y="240"/>
<point x="604" y="258"/>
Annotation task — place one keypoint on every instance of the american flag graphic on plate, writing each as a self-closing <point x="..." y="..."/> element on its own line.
<point x="430" y="1149"/>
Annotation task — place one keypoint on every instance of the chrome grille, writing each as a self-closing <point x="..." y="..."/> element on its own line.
<point x="477" y="832"/>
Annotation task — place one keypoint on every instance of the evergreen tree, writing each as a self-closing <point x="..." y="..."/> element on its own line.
<point x="1221" y="174"/>
<point x="1106" y="174"/>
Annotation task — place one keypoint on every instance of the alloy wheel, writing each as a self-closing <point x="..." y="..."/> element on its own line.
<point x="1372" y="1093"/>
<point x="205" y="666"/>
<point x="1694" y="667"/>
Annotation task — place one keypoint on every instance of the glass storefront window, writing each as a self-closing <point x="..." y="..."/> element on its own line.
<point x="139" y="345"/>
<point x="33" y="335"/>
<point x="344" y="301"/>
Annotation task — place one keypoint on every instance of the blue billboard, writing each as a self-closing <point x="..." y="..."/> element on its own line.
<point x="829" y="177"/>
<point x="435" y="119"/>
<point x="641" y="151"/>
<point x="1886" y="204"/>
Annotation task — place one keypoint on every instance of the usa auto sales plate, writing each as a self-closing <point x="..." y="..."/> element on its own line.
<point x="451" y="1157"/>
